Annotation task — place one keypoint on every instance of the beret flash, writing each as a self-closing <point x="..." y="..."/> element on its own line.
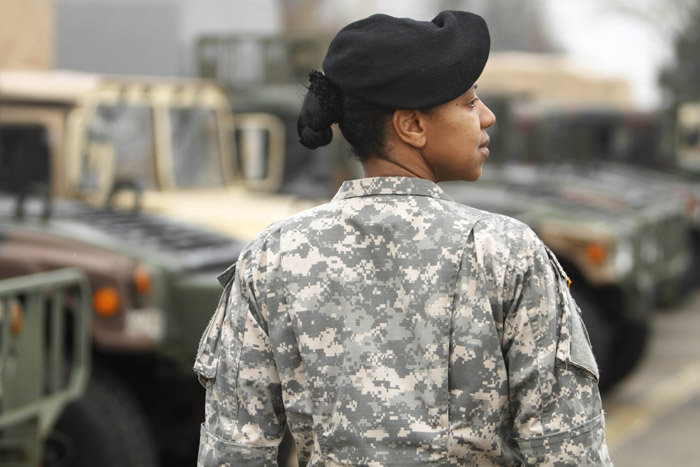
<point x="400" y="63"/>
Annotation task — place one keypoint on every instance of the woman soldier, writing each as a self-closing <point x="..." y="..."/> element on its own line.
<point x="393" y="326"/>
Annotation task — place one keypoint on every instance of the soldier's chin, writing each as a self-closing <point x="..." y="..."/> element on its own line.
<point x="475" y="176"/>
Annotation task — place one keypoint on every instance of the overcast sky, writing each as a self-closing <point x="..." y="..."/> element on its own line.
<point x="598" y="35"/>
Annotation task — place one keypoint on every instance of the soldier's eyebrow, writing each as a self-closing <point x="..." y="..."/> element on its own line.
<point x="470" y="94"/>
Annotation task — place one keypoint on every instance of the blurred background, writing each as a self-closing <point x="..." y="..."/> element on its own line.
<point x="143" y="142"/>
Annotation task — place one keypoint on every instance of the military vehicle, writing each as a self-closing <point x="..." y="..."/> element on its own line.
<point x="663" y="217"/>
<point x="44" y="360"/>
<point x="154" y="288"/>
<point x="613" y="154"/>
<point x="170" y="140"/>
<point x="147" y="144"/>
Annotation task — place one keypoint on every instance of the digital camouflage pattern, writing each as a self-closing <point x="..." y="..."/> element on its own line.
<point x="394" y="326"/>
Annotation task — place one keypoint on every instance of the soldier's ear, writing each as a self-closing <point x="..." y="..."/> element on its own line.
<point x="409" y="127"/>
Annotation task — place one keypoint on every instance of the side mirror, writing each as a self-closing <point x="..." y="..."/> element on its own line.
<point x="259" y="142"/>
<point x="125" y="185"/>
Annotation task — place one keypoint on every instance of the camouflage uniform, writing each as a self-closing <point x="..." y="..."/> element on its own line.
<point x="394" y="326"/>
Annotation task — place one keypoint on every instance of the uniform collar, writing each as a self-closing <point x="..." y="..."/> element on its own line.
<point x="390" y="186"/>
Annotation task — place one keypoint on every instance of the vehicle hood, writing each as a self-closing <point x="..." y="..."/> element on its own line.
<point x="235" y="211"/>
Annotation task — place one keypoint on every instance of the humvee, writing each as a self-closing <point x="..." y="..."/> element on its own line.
<point x="153" y="289"/>
<point x="125" y="146"/>
<point x="169" y="144"/>
<point x="615" y="155"/>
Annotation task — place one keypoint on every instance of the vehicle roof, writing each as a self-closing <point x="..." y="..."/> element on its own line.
<point x="553" y="77"/>
<point x="40" y="85"/>
<point x="71" y="87"/>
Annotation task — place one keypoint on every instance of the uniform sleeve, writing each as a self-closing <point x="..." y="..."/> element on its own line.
<point x="244" y="414"/>
<point x="555" y="403"/>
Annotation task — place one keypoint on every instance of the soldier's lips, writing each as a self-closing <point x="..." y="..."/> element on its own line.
<point x="483" y="148"/>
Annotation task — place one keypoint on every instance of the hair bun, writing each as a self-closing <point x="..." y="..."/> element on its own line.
<point x="327" y="93"/>
<point x="322" y="107"/>
<point x="313" y="139"/>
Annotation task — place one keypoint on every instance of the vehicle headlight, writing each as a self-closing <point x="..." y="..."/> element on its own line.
<point x="624" y="257"/>
<point x="616" y="255"/>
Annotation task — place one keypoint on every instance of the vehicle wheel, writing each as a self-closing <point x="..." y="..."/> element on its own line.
<point x="630" y="344"/>
<point x="601" y="332"/>
<point x="105" y="428"/>
<point x="617" y="346"/>
<point x="690" y="279"/>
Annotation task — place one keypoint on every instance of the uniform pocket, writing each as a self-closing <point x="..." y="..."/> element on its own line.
<point x="580" y="351"/>
<point x="206" y="361"/>
<point x="574" y="346"/>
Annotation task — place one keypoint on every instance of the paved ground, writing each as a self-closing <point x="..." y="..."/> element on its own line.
<point x="653" y="419"/>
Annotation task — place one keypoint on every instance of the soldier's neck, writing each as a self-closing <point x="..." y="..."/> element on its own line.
<point x="380" y="167"/>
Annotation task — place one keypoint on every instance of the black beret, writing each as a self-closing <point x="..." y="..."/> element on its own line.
<point x="400" y="63"/>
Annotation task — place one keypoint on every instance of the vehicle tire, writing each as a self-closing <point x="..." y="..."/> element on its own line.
<point x="630" y="345"/>
<point x="105" y="428"/>
<point x="601" y="332"/>
<point x="690" y="279"/>
<point x="618" y="346"/>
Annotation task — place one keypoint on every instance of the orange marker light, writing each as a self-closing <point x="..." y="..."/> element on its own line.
<point x="105" y="301"/>
<point x="16" y="318"/>
<point x="596" y="253"/>
<point x="142" y="279"/>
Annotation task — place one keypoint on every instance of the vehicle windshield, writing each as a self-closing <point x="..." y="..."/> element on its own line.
<point x="194" y="140"/>
<point x="119" y="139"/>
